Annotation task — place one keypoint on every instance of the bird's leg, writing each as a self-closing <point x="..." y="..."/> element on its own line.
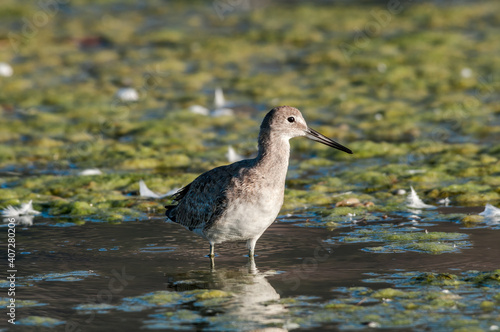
<point x="212" y="249"/>
<point x="212" y="264"/>
<point x="251" y="247"/>
<point x="252" y="268"/>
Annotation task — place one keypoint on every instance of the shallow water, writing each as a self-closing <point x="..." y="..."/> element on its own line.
<point x="154" y="274"/>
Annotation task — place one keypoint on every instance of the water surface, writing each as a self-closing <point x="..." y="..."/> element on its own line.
<point x="154" y="274"/>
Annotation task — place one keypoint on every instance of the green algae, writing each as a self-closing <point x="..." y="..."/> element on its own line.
<point x="100" y="307"/>
<point x="296" y="199"/>
<point x="182" y="316"/>
<point x="63" y="276"/>
<point x="485" y="278"/>
<point x="472" y="219"/>
<point x="82" y="208"/>
<point x="435" y="248"/>
<point x="211" y="294"/>
<point x="40" y="321"/>
<point x="399" y="240"/>
<point x="385" y="314"/>
<point x="161" y="298"/>
<point x="487" y="305"/>
<point x="104" y="197"/>
<point x="423" y="304"/>
<point x="437" y="279"/>
<point x="20" y="303"/>
<point x="172" y="315"/>
<point x="389" y="293"/>
<point x="346" y="210"/>
<point x="205" y="297"/>
<point x="75" y="121"/>
<point x="342" y="307"/>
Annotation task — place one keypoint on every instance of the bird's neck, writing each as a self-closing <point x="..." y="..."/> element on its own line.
<point x="273" y="156"/>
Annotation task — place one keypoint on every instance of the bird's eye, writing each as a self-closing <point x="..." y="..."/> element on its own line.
<point x="291" y="119"/>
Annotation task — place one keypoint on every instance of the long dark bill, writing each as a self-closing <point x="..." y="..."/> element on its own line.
<point x="315" y="136"/>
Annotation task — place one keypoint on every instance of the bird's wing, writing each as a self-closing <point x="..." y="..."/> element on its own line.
<point x="203" y="201"/>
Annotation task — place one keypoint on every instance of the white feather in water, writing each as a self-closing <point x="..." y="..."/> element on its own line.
<point x="90" y="171"/>
<point x="414" y="202"/>
<point x="26" y="209"/>
<point x="490" y="212"/>
<point x="144" y="191"/>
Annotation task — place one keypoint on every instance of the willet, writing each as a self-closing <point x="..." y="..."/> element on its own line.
<point x="238" y="202"/>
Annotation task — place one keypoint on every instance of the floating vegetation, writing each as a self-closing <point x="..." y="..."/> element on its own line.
<point x="440" y="301"/>
<point x="466" y="279"/>
<point x="437" y="279"/>
<point x="402" y="106"/>
<point x="63" y="276"/>
<point x="40" y="321"/>
<point x="160" y="300"/>
<point x="100" y="308"/>
<point x="404" y="239"/>
<point x="20" y="303"/>
<point x="472" y="220"/>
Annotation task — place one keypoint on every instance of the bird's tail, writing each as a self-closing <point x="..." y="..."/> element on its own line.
<point x="170" y="212"/>
<point x="171" y="209"/>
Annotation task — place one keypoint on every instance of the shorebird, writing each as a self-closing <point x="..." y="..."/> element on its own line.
<point x="238" y="202"/>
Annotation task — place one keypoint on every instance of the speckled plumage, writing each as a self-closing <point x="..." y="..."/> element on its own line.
<point x="241" y="200"/>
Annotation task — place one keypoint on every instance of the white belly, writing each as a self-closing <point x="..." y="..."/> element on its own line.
<point x="244" y="221"/>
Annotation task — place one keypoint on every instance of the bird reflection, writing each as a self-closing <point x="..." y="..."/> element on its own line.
<point x="21" y="220"/>
<point x="255" y="301"/>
